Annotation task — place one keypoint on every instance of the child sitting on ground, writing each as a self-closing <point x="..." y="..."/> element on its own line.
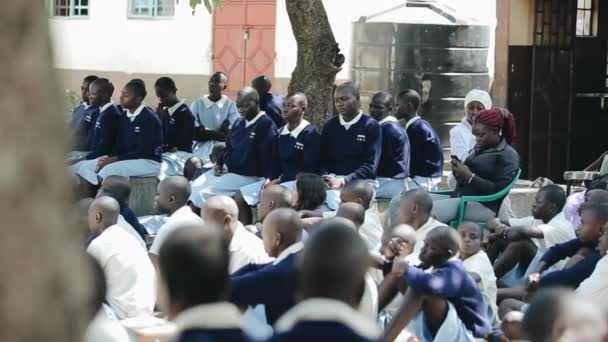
<point x="310" y="192"/>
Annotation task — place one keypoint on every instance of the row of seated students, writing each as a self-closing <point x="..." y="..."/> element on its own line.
<point x="422" y="281"/>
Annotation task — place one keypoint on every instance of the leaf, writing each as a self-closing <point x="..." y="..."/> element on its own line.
<point x="217" y="3"/>
<point x="193" y="3"/>
<point x="208" y="6"/>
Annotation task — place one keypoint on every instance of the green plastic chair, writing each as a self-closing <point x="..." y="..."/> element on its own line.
<point x="479" y="199"/>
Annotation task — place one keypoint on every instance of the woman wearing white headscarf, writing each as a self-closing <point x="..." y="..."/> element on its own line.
<point x="462" y="140"/>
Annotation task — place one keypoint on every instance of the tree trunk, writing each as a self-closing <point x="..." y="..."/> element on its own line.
<point x="45" y="284"/>
<point x="319" y="59"/>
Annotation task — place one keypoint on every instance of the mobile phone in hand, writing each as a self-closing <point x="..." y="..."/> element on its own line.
<point x="456" y="159"/>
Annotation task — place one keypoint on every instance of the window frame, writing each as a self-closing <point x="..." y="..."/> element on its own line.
<point x="592" y="10"/>
<point x="72" y="8"/>
<point x="153" y="6"/>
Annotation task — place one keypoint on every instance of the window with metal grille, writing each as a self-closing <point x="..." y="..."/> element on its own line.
<point x="151" y="8"/>
<point x="70" y="8"/>
<point x="585" y="16"/>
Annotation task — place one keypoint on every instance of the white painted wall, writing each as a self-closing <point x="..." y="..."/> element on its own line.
<point x="109" y="41"/>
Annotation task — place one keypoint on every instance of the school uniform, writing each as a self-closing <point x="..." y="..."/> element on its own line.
<point x="129" y="272"/>
<point x="466" y="319"/>
<point x="248" y="157"/>
<point x="104" y="329"/>
<point x="211" y="115"/>
<point x="101" y="138"/>
<point x="394" y="165"/>
<point x="181" y="216"/>
<point x="272" y="105"/>
<point x="130" y="217"/>
<point x="595" y="287"/>
<point x="138" y="148"/>
<point x="426" y="158"/>
<point x="294" y="152"/>
<point x="245" y="248"/>
<point x="82" y="125"/>
<point x="267" y="284"/>
<point x="213" y="322"/>
<point x="178" y="130"/>
<point x="324" y="319"/>
<point x="572" y="276"/>
<point x="480" y="264"/>
<point x="350" y="150"/>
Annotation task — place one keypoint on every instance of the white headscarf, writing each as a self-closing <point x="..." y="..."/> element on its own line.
<point x="480" y="96"/>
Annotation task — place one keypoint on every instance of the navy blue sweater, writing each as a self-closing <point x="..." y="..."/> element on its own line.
<point x="83" y="124"/>
<point x="395" y="156"/>
<point x="104" y="135"/>
<point x="267" y="284"/>
<point x="131" y="218"/>
<point x="213" y="335"/>
<point x="272" y="105"/>
<point x="249" y="149"/>
<point x="572" y="276"/>
<point x="178" y="129"/>
<point x="353" y="153"/>
<point x="319" y="331"/>
<point x="426" y="158"/>
<point x="140" y="139"/>
<point x="292" y="156"/>
<point x="452" y="283"/>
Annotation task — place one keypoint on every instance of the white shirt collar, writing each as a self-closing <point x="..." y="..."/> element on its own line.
<point x="220" y="103"/>
<point x="235" y="243"/>
<point x="132" y="116"/>
<point x="295" y="248"/>
<point x="86" y="105"/>
<point x="324" y="309"/>
<point x="172" y="109"/>
<point x="296" y="132"/>
<point x="411" y="121"/>
<point x="106" y="106"/>
<point x="351" y="122"/>
<point x="209" y="316"/>
<point x="249" y="123"/>
<point x="389" y="118"/>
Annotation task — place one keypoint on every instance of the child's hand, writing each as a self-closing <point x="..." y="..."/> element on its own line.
<point x="533" y="281"/>
<point x="334" y="183"/>
<point x="219" y="170"/>
<point x="400" y="265"/>
<point x="493" y="224"/>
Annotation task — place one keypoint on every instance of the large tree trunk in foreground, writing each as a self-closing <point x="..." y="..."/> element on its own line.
<point x="318" y="57"/>
<point x="44" y="284"/>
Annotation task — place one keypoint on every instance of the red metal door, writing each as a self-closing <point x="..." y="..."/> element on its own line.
<point x="243" y="41"/>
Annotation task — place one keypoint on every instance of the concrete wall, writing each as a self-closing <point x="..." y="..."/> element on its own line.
<point x="521" y="22"/>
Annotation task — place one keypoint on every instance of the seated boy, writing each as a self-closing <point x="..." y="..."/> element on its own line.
<point x="214" y="115"/>
<point x="273" y="197"/>
<point x="130" y="275"/>
<point x="478" y="265"/>
<point x="394" y="165"/>
<point x="330" y="274"/>
<point x="83" y="121"/>
<point x="178" y="128"/>
<point x="444" y="304"/>
<point x="270" y="284"/>
<point x="524" y="241"/>
<point x="296" y="150"/>
<point x="595" y="288"/>
<point x="351" y="144"/>
<point x="248" y="155"/>
<point x="270" y="103"/>
<point x="194" y="269"/>
<point x="354" y="212"/>
<point x="138" y="149"/>
<point x="415" y="209"/>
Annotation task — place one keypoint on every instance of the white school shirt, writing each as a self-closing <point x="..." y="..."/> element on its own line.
<point x="181" y="216"/>
<point x="220" y="315"/>
<point x="347" y="124"/>
<point x="246" y="248"/>
<point x="558" y="230"/>
<point x="595" y="288"/>
<point x="213" y="114"/>
<point x="129" y="273"/>
<point x="103" y="329"/>
<point x="480" y="264"/>
<point x="128" y="228"/>
<point x="462" y="140"/>
<point x="371" y="230"/>
<point x="368" y="305"/>
<point x="421" y="233"/>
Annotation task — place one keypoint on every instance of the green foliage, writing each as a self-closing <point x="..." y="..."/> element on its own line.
<point x="209" y="4"/>
<point x="71" y="100"/>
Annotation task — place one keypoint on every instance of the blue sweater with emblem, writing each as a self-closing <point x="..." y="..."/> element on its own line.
<point x="295" y="155"/>
<point x="353" y="153"/>
<point x="178" y="129"/>
<point x="83" y="124"/>
<point x="105" y="132"/>
<point x="395" y="156"/>
<point x="249" y="148"/>
<point x="426" y="158"/>
<point x="267" y="284"/>
<point x="140" y="138"/>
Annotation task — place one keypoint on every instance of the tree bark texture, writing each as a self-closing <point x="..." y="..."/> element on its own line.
<point x="318" y="60"/>
<point x="44" y="285"/>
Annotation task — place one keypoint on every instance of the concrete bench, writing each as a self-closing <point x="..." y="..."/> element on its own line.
<point x="143" y="190"/>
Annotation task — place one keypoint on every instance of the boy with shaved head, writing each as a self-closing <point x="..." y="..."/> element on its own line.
<point x="330" y="277"/>
<point x="129" y="272"/>
<point x="444" y="304"/>
<point x="353" y="212"/>
<point x="270" y="103"/>
<point x="245" y="248"/>
<point x="270" y="284"/>
<point x="172" y="200"/>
